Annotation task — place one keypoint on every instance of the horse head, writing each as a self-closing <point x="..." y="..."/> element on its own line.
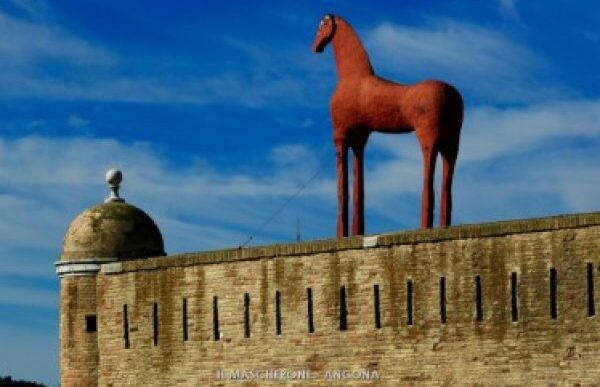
<point x="324" y="33"/>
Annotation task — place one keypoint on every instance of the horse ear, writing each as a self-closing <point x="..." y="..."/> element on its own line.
<point x="326" y="18"/>
<point x="329" y="18"/>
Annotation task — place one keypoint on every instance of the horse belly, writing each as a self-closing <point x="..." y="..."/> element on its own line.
<point x="384" y="115"/>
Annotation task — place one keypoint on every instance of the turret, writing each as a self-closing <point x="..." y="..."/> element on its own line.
<point x="109" y="232"/>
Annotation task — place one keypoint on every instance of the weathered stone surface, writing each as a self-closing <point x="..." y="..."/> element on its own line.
<point x="78" y="348"/>
<point x="535" y="350"/>
<point x="116" y="230"/>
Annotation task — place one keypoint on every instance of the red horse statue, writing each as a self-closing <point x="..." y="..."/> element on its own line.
<point x="363" y="103"/>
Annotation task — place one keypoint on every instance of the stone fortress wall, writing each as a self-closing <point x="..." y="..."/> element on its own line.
<point x="507" y="303"/>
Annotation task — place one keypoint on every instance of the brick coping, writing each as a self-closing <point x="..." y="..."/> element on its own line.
<point x="466" y="231"/>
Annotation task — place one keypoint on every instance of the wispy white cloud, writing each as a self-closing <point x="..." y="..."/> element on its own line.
<point x="25" y="296"/>
<point x="307" y="123"/>
<point x="513" y="163"/>
<point x="28" y="43"/>
<point x="36" y="9"/>
<point x="502" y="153"/>
<point x="90" y="71"/>
<point x="37" y="123"/>
<point x="483" y="61"/>
<point x="509" y="7"/>
<point x="76" y="121"/>
<point x="492" y="132"/>
<point x="196" y="207"/>
<point x="295" y="162"/>
<point x="480" y="60"/>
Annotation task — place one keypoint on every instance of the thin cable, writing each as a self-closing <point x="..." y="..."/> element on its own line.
<point x="285" y="204"/>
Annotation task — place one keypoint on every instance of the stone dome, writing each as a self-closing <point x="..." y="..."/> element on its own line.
<point x="113" y="229"/>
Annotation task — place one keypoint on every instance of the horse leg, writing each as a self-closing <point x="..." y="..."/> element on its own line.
<point x="427" y="204"/>
<point x="342" y="176"/>
<point x="449" y="161"/>
<point x="358" y="196"/>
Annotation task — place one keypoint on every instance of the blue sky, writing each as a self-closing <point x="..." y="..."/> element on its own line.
<point x="217" y="112"/>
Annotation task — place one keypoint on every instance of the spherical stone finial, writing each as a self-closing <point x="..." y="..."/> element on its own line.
<point x="114" y="177"/>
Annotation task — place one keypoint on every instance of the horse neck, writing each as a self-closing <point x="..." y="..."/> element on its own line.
<point x="350" y="56"/>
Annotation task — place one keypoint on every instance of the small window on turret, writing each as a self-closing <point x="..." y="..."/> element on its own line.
<point x="91" y="324"/>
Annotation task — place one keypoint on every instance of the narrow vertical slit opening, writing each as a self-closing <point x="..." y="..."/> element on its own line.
<point x="216" y="333"/>
<point x="91" y="323"/>
<point x="409" y="302"/>
<point x="246" y="315"/>
<point x="376" y="306"/>
<point x="155" y="323"/>
<point x="278" y="312"/>
<point x="514" y="305"/>
<point x="184" y="321"/>
<point x="478" y="298"/>
<point x="125" y="327"/>
<point x="443" y="300"/>
<point x="590" y="290"/>
<point x="311" y="323"/>
<point x="553" y="304"/>
<point x="343" y="310"/>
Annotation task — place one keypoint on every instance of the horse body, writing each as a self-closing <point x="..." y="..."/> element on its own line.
<point x="380" y="105"/>
<point x="363" y="103"/>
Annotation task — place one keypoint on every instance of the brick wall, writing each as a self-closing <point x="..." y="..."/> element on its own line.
<point x="78" y="348"/>
<point x="537" y="349"/>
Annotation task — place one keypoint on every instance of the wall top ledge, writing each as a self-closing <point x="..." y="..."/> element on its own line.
<point x="467" y="231"/>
